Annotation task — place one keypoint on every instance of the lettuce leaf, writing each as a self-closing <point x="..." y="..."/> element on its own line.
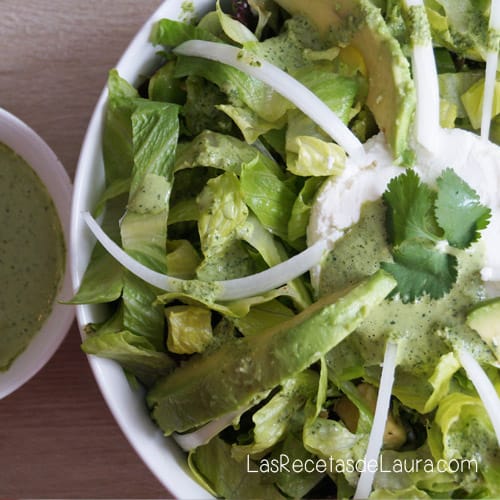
<point x="102" y="281"/>
<point x="164" y="87"/>
<point x="134" y="353"/>
<point x="117" y="136"/>
<point x="272" y="421"/>
<point x="171" y="33"/>
<point x="182" y="259"/>
<point x="411" y="474"/>
<point x="327" y="438"/>
<point x="273" y="252"/>
<point x="212" y="149"/>
<point x="309" y="150"/>
<point x="296" y="484"/>
<point x="238" y="86"/>
<point x="200" y="110"/>
<point x="144" y="227"/>
<point x="234" y="29"/>
<point x="461" y="28"/>
<point x="268" y="195"/>
<point x="263" y="316"/>
<point x="452" y="86"/>
<point x="316" y="158"/>
<point x="189" y="329"/>
<point x="141" y="316"/>
<point x="462" y="433"/>
<point x="301" y="209"/>
<point x="293" y="47"/>
<point x="233" y="309"/>
<point x="251" y="125"/>
<point x="472" y="101"/>
<point x="222" y="212"/>
<point x="214" y="468"/>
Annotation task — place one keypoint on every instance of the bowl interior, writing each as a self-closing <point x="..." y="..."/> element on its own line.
<point x="162" y="455"/>
<point x="30" y="146"/>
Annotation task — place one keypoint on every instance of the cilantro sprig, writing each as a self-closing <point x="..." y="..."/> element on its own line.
<point x="459" y="211"/>
<point x="418" y="219"/>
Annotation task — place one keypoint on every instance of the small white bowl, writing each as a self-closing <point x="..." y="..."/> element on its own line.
<point x="30" y="146"/>
<point x="162" y="455"/>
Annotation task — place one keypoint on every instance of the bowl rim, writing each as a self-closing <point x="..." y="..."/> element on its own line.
<point x="162" y="455"/>
<point x="28" y="144"/>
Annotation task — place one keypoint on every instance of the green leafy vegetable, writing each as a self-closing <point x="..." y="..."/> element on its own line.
<point x="238" y="86"/>
<point x="301" y="209"/>
<point x="233" y="29"/>
<point x="297" y="483"/>
<point x="472" y="101"/>
<point x="189" y="329"/>
<point x="263" y="316"/>
<point x="170" y="33"/>
<point x="462" y="430"/>
<point x="200" y="109"/>
<point x="117" y="136"/>
<point x="134" y="352"/>
<point x="417" y="219"/>
<point x="460" y="27"/>
<point x="272" y="421"/>
<point x="419" y="268"/>
<point x="140" y="315"/>
<point x="251" y="125"/>
<point x="164" y="87"/>
<point x="103" y="278"/>
<point x="182" y="259"/>
<point x="410" y="209"/>
<point x="222" y="212"/>
<point x="459" y="211"/>
<point x="270" y="197"/>
<point x="219" y="473"/>
<point x="212" y="149"/>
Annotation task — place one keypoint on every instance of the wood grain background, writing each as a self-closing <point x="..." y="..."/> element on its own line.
<point x="57" y="436"/>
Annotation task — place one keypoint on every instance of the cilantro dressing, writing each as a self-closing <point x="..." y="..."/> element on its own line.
<point x="358" y="254"/>
<point x="31" y="255"/>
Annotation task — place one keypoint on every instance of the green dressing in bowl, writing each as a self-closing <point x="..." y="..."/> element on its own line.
<point x="32" y="255"/>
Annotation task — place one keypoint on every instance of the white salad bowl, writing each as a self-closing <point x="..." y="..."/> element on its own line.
<point x="162" y="455"/>
<point x="24" y="141"/>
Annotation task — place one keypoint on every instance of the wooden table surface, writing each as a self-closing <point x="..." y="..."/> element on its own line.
<point x="57" y="436"/>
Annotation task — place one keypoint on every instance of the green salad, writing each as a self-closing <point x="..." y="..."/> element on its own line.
<point x="297" y="246"/>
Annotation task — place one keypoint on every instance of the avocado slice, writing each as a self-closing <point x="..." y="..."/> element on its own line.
<point x="214" y="384"/>
<point x="485" y="320"/>
<point x="359" y="23"/>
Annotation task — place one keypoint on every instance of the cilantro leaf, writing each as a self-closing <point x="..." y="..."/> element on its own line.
<point x="459" y="211"/>
<point x="410" y="209"/>
<point x="420" y="269"/>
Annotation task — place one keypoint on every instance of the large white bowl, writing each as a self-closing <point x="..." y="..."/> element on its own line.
<point x="164" y="458"/>
<point x="30" y="146"/>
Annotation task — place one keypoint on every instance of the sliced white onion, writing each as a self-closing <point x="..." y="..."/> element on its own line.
<point x="491" y="72"/>
<point x="281" y="82"/>
<point x="484" y="388"/>
<point x="204" y="434"/>
<point x="428" y="126"/>
<point x="375" y="440"/>
<point x="234" y="289"/>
